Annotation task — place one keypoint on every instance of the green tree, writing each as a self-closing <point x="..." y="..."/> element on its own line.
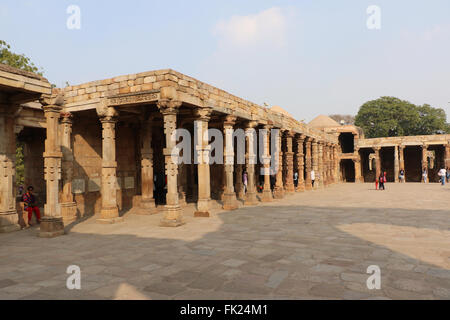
<point x="391" y="117"/>
<point x="22" y="62"/>
<point x="19" y="61"/>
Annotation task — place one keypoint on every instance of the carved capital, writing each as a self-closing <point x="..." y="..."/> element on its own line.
<point x="107" y="114"/>
<point x="251" y="124"/>
<point x="203" y="114"/>
<point x="56" y="98"/>
<point x="229" y="121"/>
<point x="169" y="107"/>
<point x="66" y="117"/>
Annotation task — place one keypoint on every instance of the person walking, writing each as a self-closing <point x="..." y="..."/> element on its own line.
<point x="245" y="180"/>
<point x="296" y="179"/>
<point x="30" y="205"/>
<point x="402" y="176"/>
<point x="381" y="182"/>
<point x="313" y="177"/>
<point x="443" y="175"/>
<point x="424" y="175"/>
<point x="448" y="175"/>
<point x="376" y="183"/>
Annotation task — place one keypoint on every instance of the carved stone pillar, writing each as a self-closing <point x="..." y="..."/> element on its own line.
<point x="290" y="187"/>
<point x="251" y="158"/>
<point x="229" y="195"/>
<point x="239" y="183"/>
<point x="52" y="223"/>
<point x="424" y="160"/>
<point x="321" y="177"/>
<point x="147" y="206"/>
<point x="401" y="150"/>
<point x="278" y="155"/>
<point x="68" y="206"/>
<point x="308" y="158"/>
<point x="109" y="212"/>
<point x="8" y="214"/>
<point x="202" y="148"/>
<point x="172" y="214"/>
<point x="377" y="162"/>
<point x="357" y="163"/>
<point x="396" y="165"/>
<point x="300" y="164"/>
<point x="267" y="191"/>
<point x="447" y="155"/>
<point x="326" y="164"/>
<point x="315" y="162"/>
<point x="336" y="163"/>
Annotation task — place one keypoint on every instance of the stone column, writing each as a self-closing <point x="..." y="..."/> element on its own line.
<point x="377" y="162"/>
<point x="239" y="184"/>
<point x="401" y="150"/>
<point x="327" y="164"/>
<point x="52" y="223"/>
<point x="169" y="108"/>
<point x="267" y="192"/>
<point x="68" y="206"/>
<point x="147" y="206"/>
<point x="357" y="163"/>
<point x="8" y="215"/>
<point x="251" y="158"/>
<point x="396" y="165"/>
<point x="315" y="162"/>
<point x="447" y="155"/>
<point x="203" y="115"/>
<point x="321" y="168"/>
<point x="109" y="212"/>
<point x="229" y="195"/>
<point x="278" y="192"/>
<point x="424" y="160"/>
<point x="300" y="164"/>
<point x="308" y="161"/>
<point x="290" y="188"/>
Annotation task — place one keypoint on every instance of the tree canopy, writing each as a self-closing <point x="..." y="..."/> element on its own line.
<point x="391" y="117"/>
<point x="19" y="61"/>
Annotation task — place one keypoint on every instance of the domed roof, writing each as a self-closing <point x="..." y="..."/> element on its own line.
<point x="323" y="121"/>
<point x="278" y="109"/>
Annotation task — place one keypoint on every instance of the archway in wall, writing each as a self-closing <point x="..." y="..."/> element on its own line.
<point x="348" y="170"/>
<point x="387" y="162"/>
<point x="347" y="142"/>
<point x="413" y="163"/>
<point x="439" y="162"/>
<point x="367" y="174"/>
<point x="30" y="164"/>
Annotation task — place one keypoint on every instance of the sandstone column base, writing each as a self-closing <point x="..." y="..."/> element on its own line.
<point x="172" y="217"/>
<point x="229" y="201"/>
<point x="202" y="209"/>
<point x="278" y="193"/>
<point x="267" y="196"/>
<point x="300" y="187"/>
<point x="9" y="222"/>
<point x="290" y="188"/>
<point x="147" y="207"/>
<point x="250" y="199"/>
<point x="51" y="227"/>
<point x="69" y="212"/>
<point x="308" y="187"/>
<point x="109" y="216"/>
<point x="241" y="194"/>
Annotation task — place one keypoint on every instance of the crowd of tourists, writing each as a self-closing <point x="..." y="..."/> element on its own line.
<point x="443" y="174"/>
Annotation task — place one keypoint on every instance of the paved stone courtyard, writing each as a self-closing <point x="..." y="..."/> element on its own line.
<point x="312" y="245"/>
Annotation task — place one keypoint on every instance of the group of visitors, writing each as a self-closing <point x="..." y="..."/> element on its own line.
<point x="30" y="204"/>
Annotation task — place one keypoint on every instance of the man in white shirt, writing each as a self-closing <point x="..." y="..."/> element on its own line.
<point x="313" y="177"/>
<point x="442" y="174"/>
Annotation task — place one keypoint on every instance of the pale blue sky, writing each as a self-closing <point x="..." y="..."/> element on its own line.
<point x="309" y="57"/>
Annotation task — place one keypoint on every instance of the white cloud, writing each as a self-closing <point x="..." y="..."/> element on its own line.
<point x="267" y="27"/>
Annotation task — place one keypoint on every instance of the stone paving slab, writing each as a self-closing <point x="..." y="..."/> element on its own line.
<point x="311" y="245"/>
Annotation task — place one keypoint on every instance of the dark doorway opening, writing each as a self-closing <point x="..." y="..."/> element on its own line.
<point x="387" y="162"/>
<point x="368" y="169"/>
<point x="348" y="170"/>
<point x="347" y="142"/>
<point x="413" y="163"/>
